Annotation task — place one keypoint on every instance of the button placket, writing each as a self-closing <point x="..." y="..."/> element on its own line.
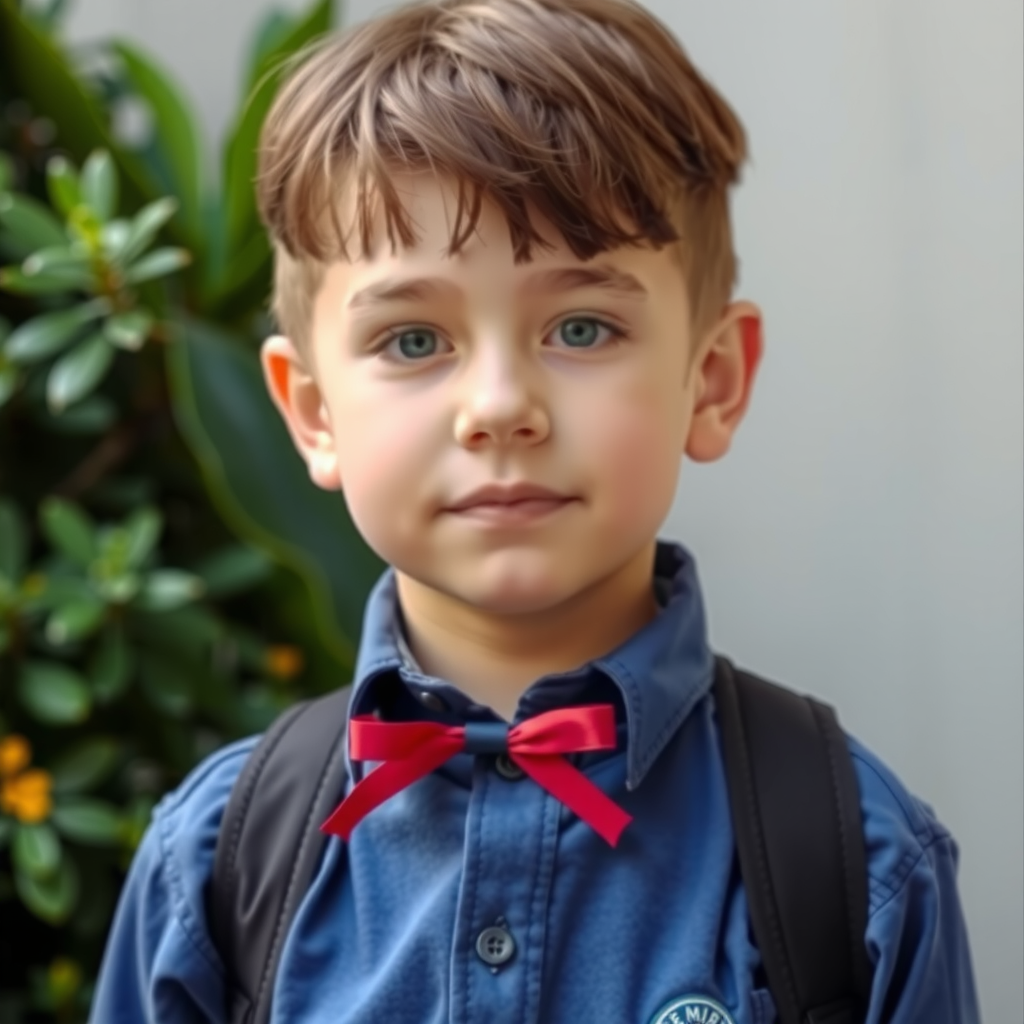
<point x="510" y="837"/>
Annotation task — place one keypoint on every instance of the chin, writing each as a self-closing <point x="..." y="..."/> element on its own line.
<point x="507" y="582"/>
<point x="522" y="588"/>
<point x="518" y="603"/>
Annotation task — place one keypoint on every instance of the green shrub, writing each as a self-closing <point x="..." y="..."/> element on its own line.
<point x="169" y="578"/>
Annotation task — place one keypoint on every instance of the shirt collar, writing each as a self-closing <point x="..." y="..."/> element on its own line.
<point x="656" y="676"/>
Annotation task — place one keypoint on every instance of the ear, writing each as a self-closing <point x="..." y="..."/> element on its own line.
<point x="300" y="402"/>
<point x="724" y="379"/>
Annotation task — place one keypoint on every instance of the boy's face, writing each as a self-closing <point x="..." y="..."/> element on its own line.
<point x="488" y="372"/>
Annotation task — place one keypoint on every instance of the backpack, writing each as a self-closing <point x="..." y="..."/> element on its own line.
<point x="795" y="809"/>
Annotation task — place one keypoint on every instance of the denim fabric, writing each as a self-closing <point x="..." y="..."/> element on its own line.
<point x="388" y="932"/>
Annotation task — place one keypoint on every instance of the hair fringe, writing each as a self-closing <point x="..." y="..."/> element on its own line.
<point x="587" y="111"/>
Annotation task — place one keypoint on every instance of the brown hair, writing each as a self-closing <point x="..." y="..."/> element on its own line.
<point x="588" y="110"/>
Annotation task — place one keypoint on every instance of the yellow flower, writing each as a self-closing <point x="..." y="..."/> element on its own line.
<point x="284" y="662"/>
<point x="24" y="791"/>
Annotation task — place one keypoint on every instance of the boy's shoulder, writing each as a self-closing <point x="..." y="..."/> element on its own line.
<point x="187" y="819"/>
<point x="900" y="829"/>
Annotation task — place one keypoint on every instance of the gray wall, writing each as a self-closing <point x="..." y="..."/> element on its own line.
<point x="864" y="540"/>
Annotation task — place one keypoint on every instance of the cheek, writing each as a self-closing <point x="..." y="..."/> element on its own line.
<point x="375" y="455"/>
<point x="637" y="442"/>
<point x="382" y="462"/>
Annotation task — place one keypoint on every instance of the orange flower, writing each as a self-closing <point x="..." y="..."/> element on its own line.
<point x="24" y="791"/>
<point x="15" y="755"/>
<point x="284" y="662"/>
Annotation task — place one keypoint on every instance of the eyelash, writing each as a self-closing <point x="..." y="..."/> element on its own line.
<point x="618" y="335"/>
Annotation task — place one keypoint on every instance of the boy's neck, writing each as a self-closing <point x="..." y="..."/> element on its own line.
<point x="494" y="659"/>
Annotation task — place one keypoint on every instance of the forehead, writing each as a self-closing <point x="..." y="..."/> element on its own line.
<point x="386" y="270"/>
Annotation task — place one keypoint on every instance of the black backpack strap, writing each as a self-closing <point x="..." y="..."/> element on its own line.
<point x="270" y="844"/>
<point x="799" y="833"/>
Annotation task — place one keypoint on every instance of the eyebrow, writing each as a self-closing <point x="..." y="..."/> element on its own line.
<point x="560" y="279"/>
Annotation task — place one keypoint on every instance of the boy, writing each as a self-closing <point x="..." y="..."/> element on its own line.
<point x="454" y="191"/>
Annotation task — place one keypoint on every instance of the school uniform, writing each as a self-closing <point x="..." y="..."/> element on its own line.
<point x="473" y="896"/>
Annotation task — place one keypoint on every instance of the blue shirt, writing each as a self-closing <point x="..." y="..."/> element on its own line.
<point x="389" y="929"/>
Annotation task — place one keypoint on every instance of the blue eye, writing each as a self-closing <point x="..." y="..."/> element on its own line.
<point x="414" y="343"/>
<point x="582" y="332"/>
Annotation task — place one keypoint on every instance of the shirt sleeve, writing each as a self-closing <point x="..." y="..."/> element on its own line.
<point x="916" y="936"/>
<point x="159" y="965"/>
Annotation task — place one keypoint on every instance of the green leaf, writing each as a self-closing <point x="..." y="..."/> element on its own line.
<point x="48" y="13"/>
<point x="67" y="259"/>
<point x="270" y="33"/>
<point x="114" y="236"/>
<point x="178" y="136"/>
<point x="145" y="226"/>
<point x="74" y="621"/>
<point x="90" y="416"/>
<point x="52" y="899"/>
<point x="166" y="686"/>
<point x="85" y="227"/>
<point x="99" y="184"/>
<point x="52" y="282"/>
<point x="85" y="765"/>
<point x="6" y="831"/>
<point x="30" y="222"/>
<point x="260" y="484"/>
<point x="129" y="330"/>
<point x="111" y="668"/>
<point x="54" y="590"/>
<point x="234" y="570"/>
<point x="96" y="905"/>
<point x="8" y="381"/>
<point x="158" y="263"/>
<point x="86" y="820"/>
<point x="35" y="850"/>
<point x="142" y="530"/>
<point x="48" y="334"/>
<point x="166" y="589"/>
<point x="36" y="70"/>
<point x="13" y="541"/>
<point x="119" y="589"/>
<point x="138" y="815"/>
<point x="6" y="172"/>
<point x="239" y="164"/>
<point x="54" y="694"/>
<point x="67" y="527"/>
<point x="187" y="632"/>
<point x="77" y="373"/>
<point x="244" y="284"/>
<point x="62" y="184"/>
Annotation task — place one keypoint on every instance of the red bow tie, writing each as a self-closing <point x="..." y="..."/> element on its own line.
<point x="410" y="750"/>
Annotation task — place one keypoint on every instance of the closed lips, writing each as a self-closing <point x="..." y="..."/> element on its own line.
<point x="507" y="496"/>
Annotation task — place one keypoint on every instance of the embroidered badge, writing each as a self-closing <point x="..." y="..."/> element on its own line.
<point x="693" y="1010"/>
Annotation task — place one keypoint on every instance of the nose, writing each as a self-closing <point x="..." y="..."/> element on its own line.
<point x="501" y="403"/>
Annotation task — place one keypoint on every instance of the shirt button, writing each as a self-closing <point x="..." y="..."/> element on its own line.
<point x="431" y="701"/>
<point x="507" y="768"/>
<point x="495" y="946"/>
